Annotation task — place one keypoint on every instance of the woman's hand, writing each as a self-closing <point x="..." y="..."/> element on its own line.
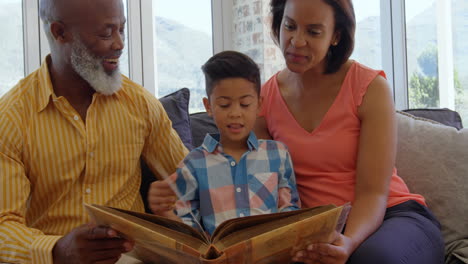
<point x="337" y="252"/>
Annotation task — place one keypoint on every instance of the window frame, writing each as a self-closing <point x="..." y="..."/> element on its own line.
<point x="222" y="24"/>
<point x="31" y="38"/>
<point x="141" y="39"/>
<point x="394" y="57"/>
<point x="394" y="51"/>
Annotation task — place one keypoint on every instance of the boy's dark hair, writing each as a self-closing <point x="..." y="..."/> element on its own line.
<point x="230" y="64"/>
<point x="345" y="25"/>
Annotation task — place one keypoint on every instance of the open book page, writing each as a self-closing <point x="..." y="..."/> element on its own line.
<point x="166" y="222"/>
<point x="271" y="238"/>
<point x="152" y="234"/>
<point x="277" y="241"/>
<point x="240" y="229"/>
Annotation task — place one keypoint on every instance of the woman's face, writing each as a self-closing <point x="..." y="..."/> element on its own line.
<point x="306" y="33"/>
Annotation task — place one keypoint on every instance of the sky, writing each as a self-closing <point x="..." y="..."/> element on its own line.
<point x="366" y="8"/>
<point x="192" y="13"/>
<point x="197" y="13"/>
<point x="201" y="19"/>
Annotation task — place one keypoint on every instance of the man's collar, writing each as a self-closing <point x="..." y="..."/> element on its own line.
<point x="211" y="142"/>
<point x="45" y="91"/>
<point x="44" y="88"/>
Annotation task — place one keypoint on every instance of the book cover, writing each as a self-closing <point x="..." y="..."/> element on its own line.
<point x="268" y="238"/>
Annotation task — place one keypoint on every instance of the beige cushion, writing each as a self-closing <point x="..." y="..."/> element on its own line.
<point x="433" y="160"/>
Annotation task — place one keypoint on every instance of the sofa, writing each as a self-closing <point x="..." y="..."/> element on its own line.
<point x="432" y="158"/>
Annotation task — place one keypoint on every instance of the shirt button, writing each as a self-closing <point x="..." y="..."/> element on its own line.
<point x="233" y="163"/>
<point x="241" y="214"/>
<point x="88" y="190"/>
<point x="76" y="117"/>
<point x="239" y="189"/>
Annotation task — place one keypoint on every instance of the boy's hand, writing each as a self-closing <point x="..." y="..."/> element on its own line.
<point x="90" y="244"/>
<point x="161" y="198"/>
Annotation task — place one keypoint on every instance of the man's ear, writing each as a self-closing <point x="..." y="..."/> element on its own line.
<point x="59" y="31"/>
<point x="206" y="103"/>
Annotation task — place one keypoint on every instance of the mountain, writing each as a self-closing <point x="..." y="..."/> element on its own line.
<point x="181" y="51"/>
<point x="179" y="64"/>
<point x="421" y="34"/>
<point x="11" y="54"/>
<point x="460" y="39"/>
<point x="368" y="42"/>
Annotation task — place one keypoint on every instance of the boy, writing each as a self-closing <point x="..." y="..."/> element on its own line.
<point x="232" y="174"/>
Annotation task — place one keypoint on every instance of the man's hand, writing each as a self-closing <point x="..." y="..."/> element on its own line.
<point x="90" y="244"/>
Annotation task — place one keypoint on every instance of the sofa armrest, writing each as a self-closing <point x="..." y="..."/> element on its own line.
<point x="432" y="160"/>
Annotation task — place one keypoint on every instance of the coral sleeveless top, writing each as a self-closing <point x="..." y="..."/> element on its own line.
<point x="325" y="159"/>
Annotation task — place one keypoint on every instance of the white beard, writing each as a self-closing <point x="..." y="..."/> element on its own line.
<point x="90" y="68"/>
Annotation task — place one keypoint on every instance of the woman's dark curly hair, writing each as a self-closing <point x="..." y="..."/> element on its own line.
<point x="345" y="25"/>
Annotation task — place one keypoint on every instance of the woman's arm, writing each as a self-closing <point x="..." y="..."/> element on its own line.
<point x="375" y="162"/>
<point x="376" y="159"/>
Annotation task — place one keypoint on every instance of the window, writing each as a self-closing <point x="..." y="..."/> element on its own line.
<point x="124" y="65"/>
<point x="368" y="38"/>
<point x="421" y="44"/>
<point x="11" y="54"/>
<point x="436" y="33"/>
<point x="182" y="44"/>
<point x="460" y="38"/>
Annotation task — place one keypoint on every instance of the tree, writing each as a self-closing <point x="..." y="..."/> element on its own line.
<point x="428" y="61"/>
<point x="423" y="91"/>
<point x="424" y="87"/>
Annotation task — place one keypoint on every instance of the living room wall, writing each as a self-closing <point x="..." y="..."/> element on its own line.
<point x="252" y="35"/>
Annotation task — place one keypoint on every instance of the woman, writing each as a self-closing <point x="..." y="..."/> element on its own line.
<point x="337" y="118"/>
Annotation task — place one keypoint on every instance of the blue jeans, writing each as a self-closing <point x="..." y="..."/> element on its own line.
<point x="410" y="234"/>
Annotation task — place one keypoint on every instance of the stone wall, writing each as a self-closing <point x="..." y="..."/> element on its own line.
<point x="251" y="35"/>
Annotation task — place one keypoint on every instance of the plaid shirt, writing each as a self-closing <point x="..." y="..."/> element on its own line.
<point x="216" y="188"/>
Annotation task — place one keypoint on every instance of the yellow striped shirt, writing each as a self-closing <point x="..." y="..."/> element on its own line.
<point x="51" y="162"/>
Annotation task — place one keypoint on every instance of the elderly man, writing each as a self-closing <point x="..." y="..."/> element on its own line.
<point x="73" y="132"/>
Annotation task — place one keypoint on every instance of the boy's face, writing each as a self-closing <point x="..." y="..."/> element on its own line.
<point x="234" y="105"/>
